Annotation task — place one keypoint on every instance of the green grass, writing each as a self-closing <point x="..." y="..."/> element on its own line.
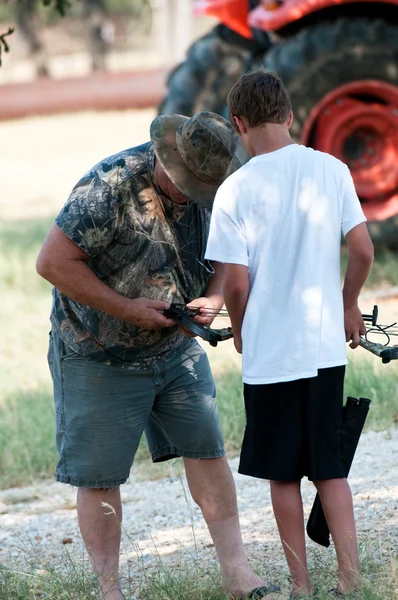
<point x="27" y="446"/>
<point x="32" y="582"/>
<point x="371" y="379"/>
<point x="384" y="271"/>
<point x="191" y="579"/>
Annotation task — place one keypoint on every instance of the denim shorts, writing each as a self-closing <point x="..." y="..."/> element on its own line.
<point x="103" y="410"/>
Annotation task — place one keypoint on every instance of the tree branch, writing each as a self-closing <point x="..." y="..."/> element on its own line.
<point x="3" y="43"/>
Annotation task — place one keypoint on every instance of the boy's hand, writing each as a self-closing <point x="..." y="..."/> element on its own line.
<point x="353" y="325"/>
<point x="205" y="303"/>
<point x="205" y="320"/>
<point x="238" y="343"/>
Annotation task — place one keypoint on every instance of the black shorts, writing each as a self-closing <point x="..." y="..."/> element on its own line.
<point x="292" y="428"/>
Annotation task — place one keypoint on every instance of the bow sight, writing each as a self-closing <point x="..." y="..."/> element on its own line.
<point x="386" y="352"/>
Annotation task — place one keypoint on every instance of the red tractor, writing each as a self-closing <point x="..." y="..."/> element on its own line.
<point x="339" y="61"/>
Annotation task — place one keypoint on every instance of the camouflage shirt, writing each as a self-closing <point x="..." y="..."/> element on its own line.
<point x="141" y="245"/>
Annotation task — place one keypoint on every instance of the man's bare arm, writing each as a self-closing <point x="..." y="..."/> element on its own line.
<point x="236" y="294"/>
<point x="65" y="266"/>
<point x="360" y="259"/>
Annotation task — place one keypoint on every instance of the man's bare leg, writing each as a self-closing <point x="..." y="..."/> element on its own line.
<point x="101" y="535"/>
<point x="336" y="498"/>
<point x="289" y="515"/>
<point x="213" y="488"/>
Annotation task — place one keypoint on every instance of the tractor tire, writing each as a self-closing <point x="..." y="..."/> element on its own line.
<point x="321" y="58"/>
<point x="203" y="80"/>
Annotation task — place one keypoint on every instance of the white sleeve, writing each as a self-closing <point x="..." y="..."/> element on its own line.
<point x="227" y="242"/>
<point x="352" y="213"/>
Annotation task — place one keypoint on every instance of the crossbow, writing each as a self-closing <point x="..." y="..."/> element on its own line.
<point x="184" y="316"/>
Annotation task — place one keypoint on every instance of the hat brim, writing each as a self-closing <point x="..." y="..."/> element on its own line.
<point x="163" y="136"/>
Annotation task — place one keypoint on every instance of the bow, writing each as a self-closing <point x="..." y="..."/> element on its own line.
<point x="184" y="316"/>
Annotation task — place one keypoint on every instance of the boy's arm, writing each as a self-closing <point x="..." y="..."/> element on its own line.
<point x="227" y="244"/>
<point x="214" y="286"/>
<point x="360" y="248"/>
<point x="213" y="296"/>
<point x="236" y="294"/>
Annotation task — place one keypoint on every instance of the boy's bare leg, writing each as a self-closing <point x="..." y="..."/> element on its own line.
<point x="336" y="498"/>
<point x="101" y="535"/>
<point x="288" y="511"/>
<point x="213" y="488"/>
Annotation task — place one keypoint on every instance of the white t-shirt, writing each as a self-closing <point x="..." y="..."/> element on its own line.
<point x="282" y="215"/>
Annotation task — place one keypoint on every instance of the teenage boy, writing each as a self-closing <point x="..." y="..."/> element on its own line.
<point x="277" y="224"/>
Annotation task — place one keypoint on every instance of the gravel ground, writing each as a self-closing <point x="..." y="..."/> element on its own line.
<point x="40" y="521"/>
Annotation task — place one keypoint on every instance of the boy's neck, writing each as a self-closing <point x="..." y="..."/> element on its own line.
<point x="268" y="138"/>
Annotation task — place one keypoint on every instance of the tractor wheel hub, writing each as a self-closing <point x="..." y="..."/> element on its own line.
<point x="358" y="123"/>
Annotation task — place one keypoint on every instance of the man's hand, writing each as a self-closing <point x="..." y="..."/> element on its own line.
<point x="353" y="325"/>
<point x="144" y="313"/>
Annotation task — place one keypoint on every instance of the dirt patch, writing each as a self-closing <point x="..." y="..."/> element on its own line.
<point x="46" y="156"/>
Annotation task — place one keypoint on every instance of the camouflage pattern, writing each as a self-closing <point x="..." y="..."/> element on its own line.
<point x="387" y="353"/>
<point x="197" y="153"/>
<point x="373" y="347"/>
<point x="141" y="245"/>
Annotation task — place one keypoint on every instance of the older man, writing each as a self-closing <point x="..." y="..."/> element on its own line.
<point x="129" y="241"/>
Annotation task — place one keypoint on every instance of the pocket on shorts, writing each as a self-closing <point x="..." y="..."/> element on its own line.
<point x="66" y="353"/>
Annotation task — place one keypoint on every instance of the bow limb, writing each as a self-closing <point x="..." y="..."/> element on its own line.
<point x="386" y="353"/>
